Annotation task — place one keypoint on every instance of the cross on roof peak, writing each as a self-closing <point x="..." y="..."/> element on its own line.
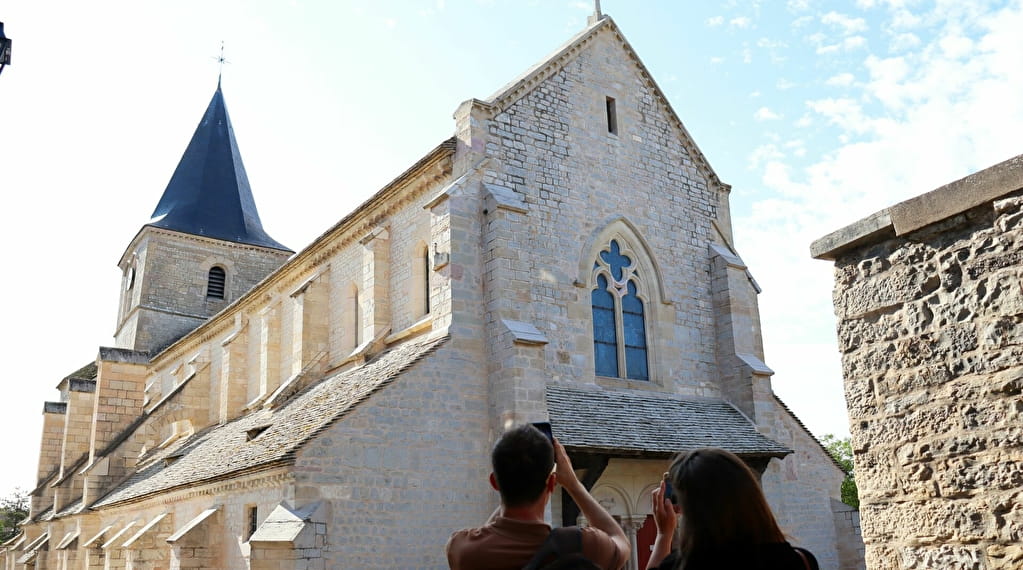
<point x="220" y="60"/>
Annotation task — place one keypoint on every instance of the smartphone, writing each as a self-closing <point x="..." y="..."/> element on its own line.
<point x="545" y="428"/>
<point x="669" y="492"/>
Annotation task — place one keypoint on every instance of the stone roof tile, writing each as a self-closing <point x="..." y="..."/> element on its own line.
<point x="224" y="450"/>
<point x="651" y="423"/>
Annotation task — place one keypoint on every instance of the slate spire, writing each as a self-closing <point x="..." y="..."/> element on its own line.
<point x="209" y="194"/>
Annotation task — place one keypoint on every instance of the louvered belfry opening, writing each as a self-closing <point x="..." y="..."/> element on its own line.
<point x="215" y="283"/>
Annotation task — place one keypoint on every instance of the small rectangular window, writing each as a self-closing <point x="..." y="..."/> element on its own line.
<point x="612" y="116"/>
<point x="253" y="521"/>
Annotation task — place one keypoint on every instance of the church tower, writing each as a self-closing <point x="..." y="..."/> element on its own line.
<point x="203" y="248"/>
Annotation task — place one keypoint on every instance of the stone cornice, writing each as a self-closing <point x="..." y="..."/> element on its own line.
<point x="194" y="238"/>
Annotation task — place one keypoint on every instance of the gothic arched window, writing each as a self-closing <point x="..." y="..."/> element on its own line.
<point x="619" y="326"/>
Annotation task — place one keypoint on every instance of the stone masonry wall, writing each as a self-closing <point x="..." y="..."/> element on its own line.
<point x="405" y="468"/>
<point x="168" y="298"/>
<point x="930" y="327"/>
<point x="575" y="178"/>
<point x="802" y="487"/>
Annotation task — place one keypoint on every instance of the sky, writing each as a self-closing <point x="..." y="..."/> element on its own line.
<point x="817" y="113"/>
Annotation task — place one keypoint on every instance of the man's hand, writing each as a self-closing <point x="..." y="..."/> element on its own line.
<point x="564" y="472"/>
<point x="597" y="515"/>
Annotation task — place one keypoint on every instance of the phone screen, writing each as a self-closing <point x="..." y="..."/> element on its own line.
<point x="545" y="428"/>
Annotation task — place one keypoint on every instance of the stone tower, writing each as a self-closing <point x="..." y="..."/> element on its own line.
<point x="203" y="248"/>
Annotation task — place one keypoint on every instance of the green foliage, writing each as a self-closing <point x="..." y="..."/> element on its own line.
<point x="841" y="450"/>
<point x="13" y="510"/>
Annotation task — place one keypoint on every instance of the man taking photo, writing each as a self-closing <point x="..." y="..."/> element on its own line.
<point x="522" y="463"/>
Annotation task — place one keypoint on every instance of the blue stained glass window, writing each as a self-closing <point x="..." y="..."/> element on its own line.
<point x="605" y="342"/>
<point x="610" y="342"/>
<point x="635" y="335"/>
<point x="615" y="260"/>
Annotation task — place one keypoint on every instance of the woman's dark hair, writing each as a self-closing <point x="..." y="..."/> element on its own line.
<point x="723" y="506"/>
<point x="522" y="460"/>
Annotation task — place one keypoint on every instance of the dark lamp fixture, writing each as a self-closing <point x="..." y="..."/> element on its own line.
<point x="5" y="48"/>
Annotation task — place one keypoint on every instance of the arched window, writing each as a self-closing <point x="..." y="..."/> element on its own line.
<point x="215" y="282"/>
<point x="619" y="324"/>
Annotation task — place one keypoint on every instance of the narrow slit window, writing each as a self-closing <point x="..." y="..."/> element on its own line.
<point x="216" y="280"/>
<point x="356" y="319"/>
<point x="612" y="116"/>
<point x="426" y="281"/>
<point x="253" y="522"/>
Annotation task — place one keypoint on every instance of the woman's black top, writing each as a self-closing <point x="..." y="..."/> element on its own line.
<point x="775" y="556"/>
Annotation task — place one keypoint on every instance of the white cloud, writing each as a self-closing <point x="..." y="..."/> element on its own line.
<point x="846" y="24"/>
<point x="747" y="55"/>
<point x="754" y="94"/>
<point x="764" y="154"/>
<point x="717" y="60"/>
<point x="847" y="44"/>
<point x="913" y="122"/>
<point x="765" y="114"/>
<point x="956" y="46"/>
<point x="782" y="84"/>
<point x="740" y="22"/>
<point x="771" y="44"/>
<point x="904" y="41"/>
<point x="797" y="5"/>
<point x="844" y="79"/>
<point x="842" y="112"/>
<point x="715" y="21"/>
<point x="903" y="19"/>
<point x="802" y="21"/>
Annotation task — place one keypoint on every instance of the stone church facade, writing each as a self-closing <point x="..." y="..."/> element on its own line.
<point x="566" y="256"/>
<point x="929" y="305"/>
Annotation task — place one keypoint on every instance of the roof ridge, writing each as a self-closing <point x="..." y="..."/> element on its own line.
<point x="556" y="60"/>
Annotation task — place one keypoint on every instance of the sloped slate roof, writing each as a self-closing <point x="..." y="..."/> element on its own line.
<point x="209" y="193"/>
<point x="87" y="372"/>
<point x="221" y="451"/>
<point x="651" y="422"/>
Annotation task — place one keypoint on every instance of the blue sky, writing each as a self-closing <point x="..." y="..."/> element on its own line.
<point x="817" y="113"/>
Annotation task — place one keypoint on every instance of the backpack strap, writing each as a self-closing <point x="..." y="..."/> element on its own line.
<point x="561" y="541"/>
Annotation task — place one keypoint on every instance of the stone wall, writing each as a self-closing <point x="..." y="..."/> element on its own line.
<point x="575" y="179"/>
<point x="406" y="467"/>
<point x="167" y="296"/>
<point x="802" y="487"/>
<point x="930" y="326"/>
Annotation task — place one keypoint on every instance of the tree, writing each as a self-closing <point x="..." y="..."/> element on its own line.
<point x="841" y="451"/>
<point x="13" y="510"/>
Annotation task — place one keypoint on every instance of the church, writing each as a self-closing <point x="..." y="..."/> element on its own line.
<point x="565" y="256"/>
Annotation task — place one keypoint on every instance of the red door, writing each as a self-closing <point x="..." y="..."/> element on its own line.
<point x="645" y="537"/>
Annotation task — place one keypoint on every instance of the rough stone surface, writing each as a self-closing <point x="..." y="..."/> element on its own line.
<point x="930" y="326"/>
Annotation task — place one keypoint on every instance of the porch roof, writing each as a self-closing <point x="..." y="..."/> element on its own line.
<point x="651" y="423"/>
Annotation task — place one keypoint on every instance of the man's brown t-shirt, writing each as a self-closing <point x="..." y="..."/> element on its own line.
<point x="509" y="544"/>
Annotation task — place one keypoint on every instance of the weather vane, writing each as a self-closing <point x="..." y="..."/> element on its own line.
<point x="221" y="60"/>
